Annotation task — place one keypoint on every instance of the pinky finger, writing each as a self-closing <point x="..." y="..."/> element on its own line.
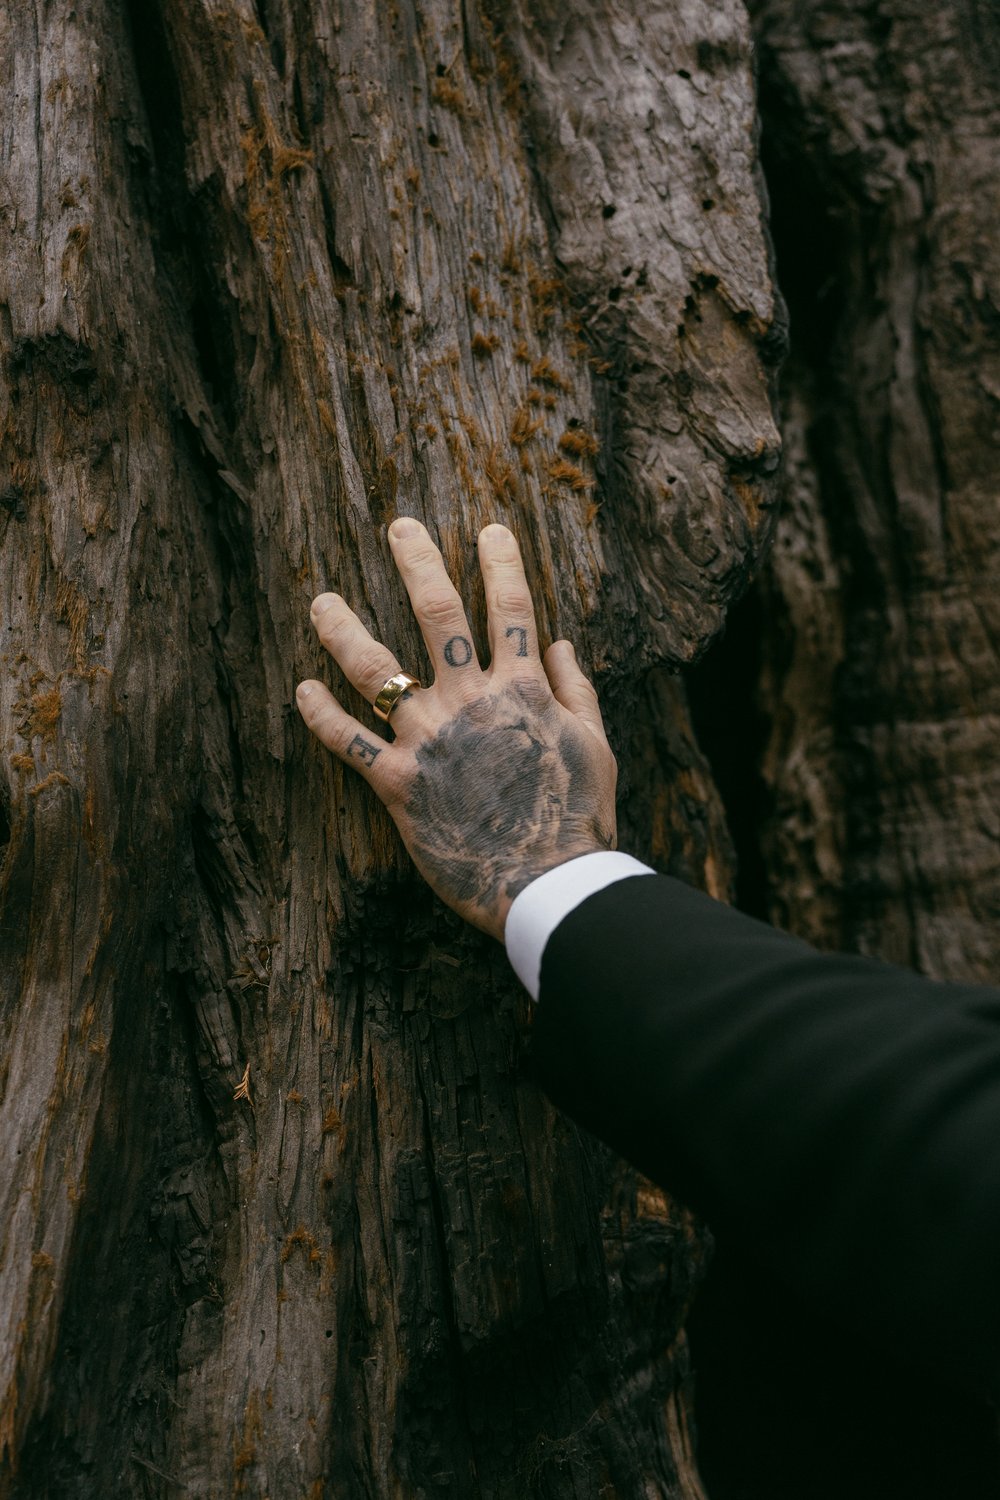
<point x="349" y="740"/>
<point x="571" y="688"/>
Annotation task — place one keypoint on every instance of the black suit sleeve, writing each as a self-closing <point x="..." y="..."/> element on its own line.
<point x="835" y="1118"/>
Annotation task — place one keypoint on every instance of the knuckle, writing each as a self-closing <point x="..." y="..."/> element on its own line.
<point x="438" y="607"/>
<point x="532" y="687"/>
<point x="508" y="599"/>
<point x="369" y="665"/>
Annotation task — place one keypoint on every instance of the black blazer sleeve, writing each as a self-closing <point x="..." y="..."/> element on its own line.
<point x="835" y="1118"/>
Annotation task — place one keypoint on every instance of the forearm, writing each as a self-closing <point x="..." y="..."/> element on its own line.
<point x="834" y="1116"/>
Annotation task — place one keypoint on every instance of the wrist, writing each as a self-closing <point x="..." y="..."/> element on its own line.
<point x="542" y="903"/>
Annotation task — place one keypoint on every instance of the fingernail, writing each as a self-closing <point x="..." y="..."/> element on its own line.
<point x="304" y="689"/>
<point x="322" y="603"/>
<point x="497" y="530"/>
<point x="404" y="526"/>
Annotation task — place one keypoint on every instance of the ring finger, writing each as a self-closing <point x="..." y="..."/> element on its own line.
<point x="364" y="661"/>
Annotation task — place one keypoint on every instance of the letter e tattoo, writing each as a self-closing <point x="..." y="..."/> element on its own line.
<point x="363" y="750"/>
<point x="458" y="651"/>
<point x="522" y="639"/>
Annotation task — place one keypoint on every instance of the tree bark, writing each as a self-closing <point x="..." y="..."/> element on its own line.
<point x="865" y="782"/>
<point x="281" y="1214"/>
<point x="885" y="772"/>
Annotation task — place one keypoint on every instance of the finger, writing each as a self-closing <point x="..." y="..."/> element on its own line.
<point x="365" y="662"/>
<point x="436" y="603"/>
<point x="355" y="745"/>
<point x="509" y="608"/>
<point x="571" y="688"/>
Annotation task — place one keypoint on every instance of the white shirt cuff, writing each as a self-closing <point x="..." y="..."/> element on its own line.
<point x="537" y="911"/>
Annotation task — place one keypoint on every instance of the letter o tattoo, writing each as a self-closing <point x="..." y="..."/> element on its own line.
<point x="458" y="651"/>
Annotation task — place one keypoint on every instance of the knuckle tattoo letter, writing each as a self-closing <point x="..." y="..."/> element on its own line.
<point x="522" y="638"/>
<point x="458" y="651"/>
<point x="363" y="750"/>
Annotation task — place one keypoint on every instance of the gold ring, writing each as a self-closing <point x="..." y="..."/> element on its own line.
<point x="390" y="693"/>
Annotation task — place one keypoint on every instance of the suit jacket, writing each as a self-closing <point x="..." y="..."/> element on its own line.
<point x="836" y="1119"/>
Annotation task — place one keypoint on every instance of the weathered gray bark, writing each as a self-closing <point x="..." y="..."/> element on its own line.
<point x="271" y="273"/>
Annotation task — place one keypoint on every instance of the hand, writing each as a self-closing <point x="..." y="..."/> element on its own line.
<point x="494" y="776"/>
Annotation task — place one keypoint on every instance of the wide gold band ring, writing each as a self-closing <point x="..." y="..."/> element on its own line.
<point x="390" y="693"/>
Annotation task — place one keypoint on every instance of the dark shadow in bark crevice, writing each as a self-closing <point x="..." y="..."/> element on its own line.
<point x="732" y="732"/>
<point x="185" y="234"/>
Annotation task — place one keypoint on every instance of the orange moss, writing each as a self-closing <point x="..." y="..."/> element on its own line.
<point x="749" y="497"/>
<point x="544" y="371"/>
<point x="289" y="159"/>
<point x="326" y="416"/>
<point x="43" y="714"/>
<point x="300" y="1238"/>
<point x="510" y="261"/>
<point x="501" y="475"/>
<point x="449" y="96"/>
<point x="579" y="443"/>
<point x="510" y="78"/>
<point x="521" y="352"/>
<point x="524" y="427"/>
<point x="483" y="344"/>
<point x="545" y="294"/>
<point x="72" y="607"/>
<point x="569" y="474"/>
<point x="475" y="297"/>
<point x="245" y="1443"/>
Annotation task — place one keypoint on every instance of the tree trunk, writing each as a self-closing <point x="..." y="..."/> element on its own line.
<point x="282" y="1216"/>
<point x="866" y="664"/>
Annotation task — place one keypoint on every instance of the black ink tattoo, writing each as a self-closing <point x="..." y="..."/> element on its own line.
<point x="458" y="651"/>
<point x="363" y="750"/>
<point x="481" y="834"/>
<point x="522" y="639"/>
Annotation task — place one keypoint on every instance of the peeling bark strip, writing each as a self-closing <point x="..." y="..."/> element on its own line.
<point x="271" y="273"/>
